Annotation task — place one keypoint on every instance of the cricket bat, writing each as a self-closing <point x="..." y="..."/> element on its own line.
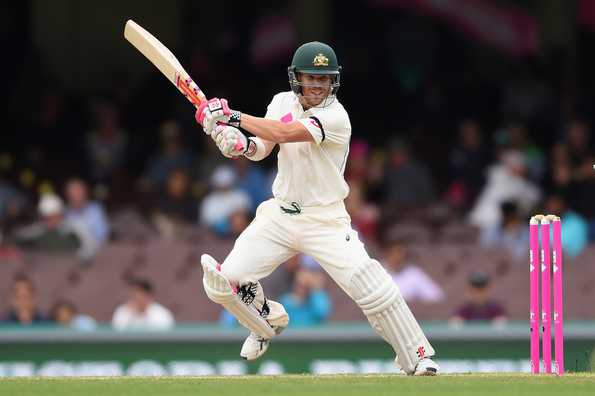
<point x="164" y="60"/>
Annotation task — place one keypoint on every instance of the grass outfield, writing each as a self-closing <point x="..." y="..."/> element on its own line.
<point x="310" y="385"/>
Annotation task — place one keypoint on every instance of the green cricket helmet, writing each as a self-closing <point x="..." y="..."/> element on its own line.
<point x="315" y="58"/>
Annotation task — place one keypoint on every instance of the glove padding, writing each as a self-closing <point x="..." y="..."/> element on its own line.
<point x="231" y="141"/>
<point x="214" y="112"/>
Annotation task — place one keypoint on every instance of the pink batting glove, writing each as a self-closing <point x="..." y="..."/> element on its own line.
<point x="211" y="113"/>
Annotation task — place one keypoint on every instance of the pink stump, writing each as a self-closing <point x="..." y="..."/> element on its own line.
<point x="546" y="305"/>
<point x="558" y="299"/>
<point x="534" y="294"/>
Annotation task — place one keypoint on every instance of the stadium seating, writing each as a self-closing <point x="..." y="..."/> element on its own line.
<point x="99" y="286"/>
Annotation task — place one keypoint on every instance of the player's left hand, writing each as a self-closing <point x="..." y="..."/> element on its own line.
<point x="216" y="111"/>
<point x="231" y="141"/>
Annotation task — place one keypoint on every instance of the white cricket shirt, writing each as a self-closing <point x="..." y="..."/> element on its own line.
<point x="311" y="173"/>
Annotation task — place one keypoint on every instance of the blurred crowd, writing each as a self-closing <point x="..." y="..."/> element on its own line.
<point x="113" y="185"/>
<point x="140" y="312"/>
<point x="496" y="180"/>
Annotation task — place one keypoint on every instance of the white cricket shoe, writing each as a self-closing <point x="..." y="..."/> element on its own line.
<point x="426" y="366"/>
<point x="254" y="347"/>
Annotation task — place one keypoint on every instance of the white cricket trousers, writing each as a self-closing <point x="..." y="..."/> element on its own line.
<point x="325" y="233"/>
<point x="322" y="232"/>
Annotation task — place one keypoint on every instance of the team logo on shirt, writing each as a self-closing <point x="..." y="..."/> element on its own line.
<point x="320" y="60"/>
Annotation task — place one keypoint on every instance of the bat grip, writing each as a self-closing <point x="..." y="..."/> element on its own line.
<point x="198" y="91"/>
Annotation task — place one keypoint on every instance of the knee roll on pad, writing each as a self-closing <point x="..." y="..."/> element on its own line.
<point x="219" y="290"/>
<point x="278" y="317"/>
<point x="378" y="296"/>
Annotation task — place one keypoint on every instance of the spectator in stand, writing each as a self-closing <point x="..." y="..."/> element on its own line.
<point x="467" y="161"/>
<point x="277" y="284"/>
<point x="209" y="158"/>
<point x="581" y="178"/>
<point x="283" y="277"/>
<point x="238" y="221"/>
<point x="13" y="204"/>
<point x="511" y="233"/>
<point x="23" y="303"/>
<point x="575" y="229"/>
<point x="223" y="202"/>
<point x="308" y="303"/>
<point x="89" y="213"/>
<point x="368" y="169"/>
<point x="578" y="140"/>
<point x="106" y="143"/>
<point x="54" y="233"/>
<point x="516" y="137"/>
<point x="252" y="180"/>
<point x="175" y="206"/>
<point x="64" y="313"/>
<point x="141" y="311"/>
<point x="507" y="181"/>
<point x="364" y="214"/>
<point x="172" y="156"/>
<point x="561" y="171"/>
<point x="407" y="183"/>
<point x="358" y="164"/>
<point x="415" y="284"/>
<point x="480" y="306"/>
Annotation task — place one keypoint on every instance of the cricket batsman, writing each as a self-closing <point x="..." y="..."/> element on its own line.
<point x="306" y="215"/>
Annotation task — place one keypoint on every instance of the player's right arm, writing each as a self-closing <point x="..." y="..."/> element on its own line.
<point x="276" y="131"/>
<point x="216" y="112"/>
<point x="324" y="125"/>
<point x="259" y="148"/>
<point x="233" y="143"/>
<point x="230" y="140"/>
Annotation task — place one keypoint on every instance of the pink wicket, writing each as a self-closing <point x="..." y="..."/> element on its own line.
<point x="534" y="294"/>
<point x="544" y="258"/>
<point x="546" y="297"/>
<point x="558" y="299"/>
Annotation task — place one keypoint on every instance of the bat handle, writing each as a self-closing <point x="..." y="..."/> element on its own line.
<point x="189" y="88"/>
<point x="198" y="91"/>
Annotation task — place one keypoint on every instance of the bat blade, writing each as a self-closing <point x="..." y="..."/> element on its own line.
<point x="164" y="60"/>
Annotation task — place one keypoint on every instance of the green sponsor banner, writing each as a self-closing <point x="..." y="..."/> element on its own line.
<point x="205" y="350"/>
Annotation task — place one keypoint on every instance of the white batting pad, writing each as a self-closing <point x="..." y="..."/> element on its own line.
<point x="278" y="317"/>
<point x="381" y="301"/>
<point x="219" y="290"/>
<point x="251" y="293"/>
